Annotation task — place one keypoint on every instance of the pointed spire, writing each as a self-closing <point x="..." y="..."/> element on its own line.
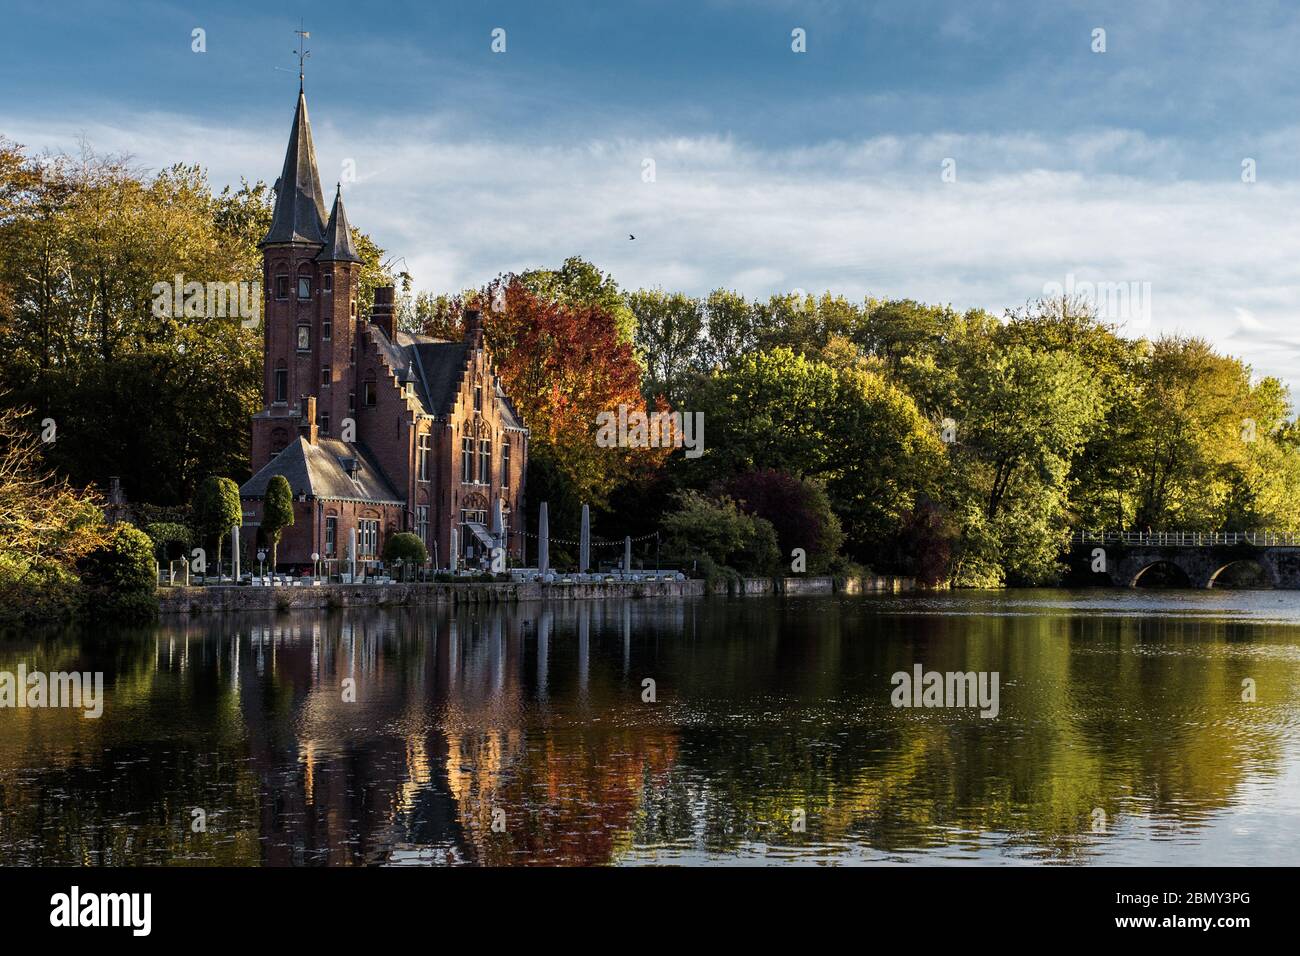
<point x="299" y="206"/>
<point x="338" y="236"/>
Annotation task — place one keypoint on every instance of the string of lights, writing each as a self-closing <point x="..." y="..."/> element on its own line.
<point x="592" y="543"/>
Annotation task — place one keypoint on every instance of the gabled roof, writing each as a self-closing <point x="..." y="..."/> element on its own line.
<point x="299" y="214"/>
<point x="436" y="368"/>
<point x="319" y="471"/>
<point x="338" y="235"/>
<point x="439" y="368"/>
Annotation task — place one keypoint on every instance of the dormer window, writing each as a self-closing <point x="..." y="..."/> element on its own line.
<point x="304" y="288"/>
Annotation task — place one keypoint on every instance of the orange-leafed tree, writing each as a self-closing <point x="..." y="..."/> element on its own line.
<point x="562" y="364"/>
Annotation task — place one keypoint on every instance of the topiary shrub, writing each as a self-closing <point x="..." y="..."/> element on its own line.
<point x="217" y="509"/>
<point x="277" y="513"/>
<point x="117" y="578"/>
<point x="406" y="547"/>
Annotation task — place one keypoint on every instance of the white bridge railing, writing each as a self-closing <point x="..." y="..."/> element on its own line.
<point x="1189" y="539"/>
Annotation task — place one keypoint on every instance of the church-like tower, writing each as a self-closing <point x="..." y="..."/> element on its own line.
<point x="377" y="429"/>
<point x="310" y="273"/>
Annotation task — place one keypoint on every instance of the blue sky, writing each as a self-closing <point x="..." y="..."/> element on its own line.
<point x="774" y="170"/>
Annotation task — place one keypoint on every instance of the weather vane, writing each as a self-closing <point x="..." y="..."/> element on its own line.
<point x="302" y="53"/>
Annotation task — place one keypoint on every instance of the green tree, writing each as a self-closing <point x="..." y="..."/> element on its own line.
<point x="850" y="428"/>
<point x="159" y="400"/>
<point x="718" y="534"/>
<point x="118" y="577"/>
<point x="668" y="327"/>
<point x="45" y="527"/>
<point x="277" y="513"/>
<point x="806" y="324"/>
<point x="1023" y="417"/>
<point x="1186" y="436"/>
<point x="171" y="540"/>
<point x="578" y="284"/>
<point x="217" y="510"/>
<point x="729" y="332"/>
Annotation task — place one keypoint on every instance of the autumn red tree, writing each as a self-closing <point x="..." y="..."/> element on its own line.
<point x="798" y="509"/>
<point x="562" y="364"/>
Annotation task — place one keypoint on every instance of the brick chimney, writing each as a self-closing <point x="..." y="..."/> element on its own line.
<point x="473" y="328"/>
<point x="382" y="312"/>
<point x="307" y="423"/>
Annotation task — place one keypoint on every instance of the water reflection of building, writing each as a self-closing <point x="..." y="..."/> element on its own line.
<point x="438" y="736"/>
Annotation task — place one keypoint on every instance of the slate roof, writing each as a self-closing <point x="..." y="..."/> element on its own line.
<point x="435" y="367"/>
<point x="318" y="470"/>
<point x="439" y="367"/>
<point x="338" y="235"/>
<point x="299" y="214"/>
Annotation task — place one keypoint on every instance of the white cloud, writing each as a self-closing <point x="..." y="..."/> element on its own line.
<point x="857" y="217"/>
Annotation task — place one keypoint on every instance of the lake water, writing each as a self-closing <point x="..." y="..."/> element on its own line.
<point x="520" y="735"/>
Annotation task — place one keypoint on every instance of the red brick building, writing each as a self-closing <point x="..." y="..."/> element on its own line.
<point x="377" y="430"/>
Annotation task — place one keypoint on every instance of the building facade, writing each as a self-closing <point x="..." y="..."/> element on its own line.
<point x="376" y="429"/>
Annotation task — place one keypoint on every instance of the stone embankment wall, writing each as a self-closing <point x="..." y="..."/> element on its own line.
<point x="219" y="599"/>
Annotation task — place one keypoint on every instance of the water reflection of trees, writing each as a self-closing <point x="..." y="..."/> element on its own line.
<point x="763" y="708"/>
<point x="1130" y="715"/>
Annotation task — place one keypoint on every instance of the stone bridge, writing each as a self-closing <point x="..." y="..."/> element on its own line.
<point x="1200" y="557"/>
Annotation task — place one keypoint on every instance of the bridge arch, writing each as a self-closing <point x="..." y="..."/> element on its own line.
<point x="1265" y="569"/>
<point x="1173" y="573"/>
